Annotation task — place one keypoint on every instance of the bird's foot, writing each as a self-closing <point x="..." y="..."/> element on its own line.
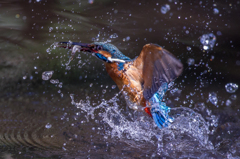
<point x="148" y="111"/>
<point x="160" y="115"/>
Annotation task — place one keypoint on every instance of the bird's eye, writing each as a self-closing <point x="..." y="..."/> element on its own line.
<point x="98" y="47"/>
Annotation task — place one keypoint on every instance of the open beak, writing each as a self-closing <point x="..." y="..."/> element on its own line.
<point x="76" y="46"/>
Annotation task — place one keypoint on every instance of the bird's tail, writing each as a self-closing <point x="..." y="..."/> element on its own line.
<point x="160" y="115"/>
<point x="159" y="110"/>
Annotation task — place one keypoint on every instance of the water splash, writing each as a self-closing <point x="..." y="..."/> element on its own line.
<point x="189" y="131"/>
<point x="137" y="129"/>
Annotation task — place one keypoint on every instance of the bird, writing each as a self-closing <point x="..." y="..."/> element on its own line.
<point x="144" y="79"/>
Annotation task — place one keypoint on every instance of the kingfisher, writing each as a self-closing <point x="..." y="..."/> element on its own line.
<point x="144" y="79"/>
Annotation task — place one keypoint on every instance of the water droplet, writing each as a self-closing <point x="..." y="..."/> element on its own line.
<point x="171" y="84"/>
<point x="24" y="77"/>
<point x="215" y="11"/>
<point x="48" y="126"/>
<point x="50" y="29"/>
<point x="205" y="47"/>
<point x="208" y="41"/>
<point x="91" y="85"/>
<point x="212" y="57"/>
<point x="165" y="8"/>
<point x="177" y="99"/>
<point x="231" y="87"/>
<point x="113" y="86"/>
<point x="48" y="50"/>
<point x="46" y="75"/>
<point x="219" y="33"/>
<point x="189" y="48"/>
<point x="173" y="91"/>
<point x="233" y="97"/>
<point x="54" y="81"/>
<point x="35" y="67"/>
<point x="190" y="61"/>
<point x="68" y="67"/>
<point x="213" y="98"/>
<point x="104" y="91"/>
<point x="60" y="85"/>
<point x="228" y="103"/>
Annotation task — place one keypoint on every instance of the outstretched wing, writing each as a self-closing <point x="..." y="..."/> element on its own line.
<point x="158" y="66"/>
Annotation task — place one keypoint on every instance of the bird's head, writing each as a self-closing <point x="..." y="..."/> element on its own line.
<point x="103" y="51"/>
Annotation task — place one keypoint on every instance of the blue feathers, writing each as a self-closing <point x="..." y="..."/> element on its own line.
<point x="160" y="116"/>
<point x="120" y="66"/>
<point x="113" y="50"/>
<point x="101" y="57"/>
<point x="159" y="109"/>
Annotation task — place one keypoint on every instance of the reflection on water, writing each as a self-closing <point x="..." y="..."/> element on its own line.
<point x="77" y="111"/>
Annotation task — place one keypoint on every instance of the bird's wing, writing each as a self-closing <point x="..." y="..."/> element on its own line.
<point x="157" y="66"/>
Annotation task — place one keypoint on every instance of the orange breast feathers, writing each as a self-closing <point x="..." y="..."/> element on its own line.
<point x="129" y="79"/>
